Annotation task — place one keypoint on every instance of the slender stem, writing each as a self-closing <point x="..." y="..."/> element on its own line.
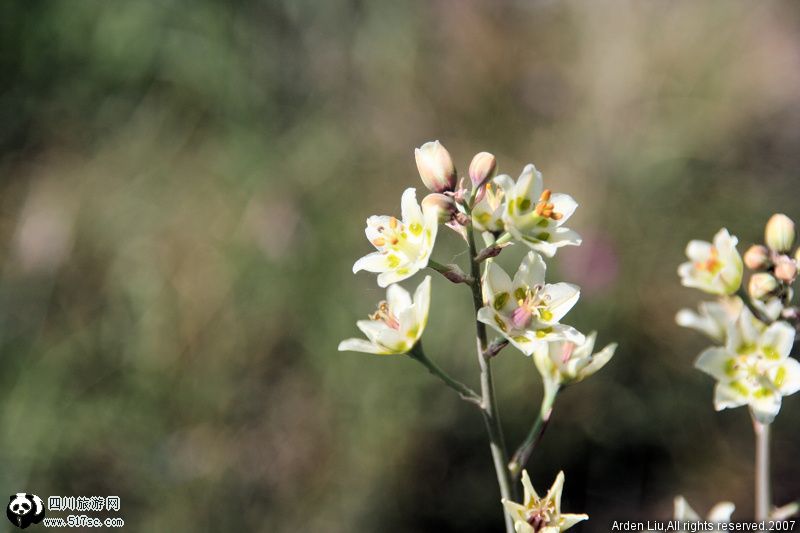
<point x="753" y="309"/>
<point x="523" y="453"/>
<point x="489" y="402"/>
<point x="451" y="272"/>
<point x="467" y="394"/>
<point x="438" y="267"/>
<point x="762" y="474"/>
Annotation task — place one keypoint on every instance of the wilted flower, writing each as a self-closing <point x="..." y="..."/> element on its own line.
<point x="713" y="318"/>
<point x="779" y="233"/>
<point x="541" y="515"/>
<point x="754" y="367"/>
<point x="397" y="324"/>
<point x="565" y="362"/>
<point x="527" y="311"/>
<point x="436" y="167"/>
<point x="535" y="215"/>
<point x="714" y="268"/>
<point x="404" y="247"/>
<point x="482" y="168"/>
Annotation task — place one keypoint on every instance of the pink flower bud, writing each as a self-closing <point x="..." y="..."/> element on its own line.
<point x="445" y="205"/>
<point x="436" y="167"/>
<point x="785" y="269"/>
<point x="762" y="286"/>
<point x="757" y="257"/>
<point x="779" y="233"/>
<point x="482" y="168"/>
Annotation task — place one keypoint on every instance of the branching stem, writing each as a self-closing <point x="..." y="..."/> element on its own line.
<point x="467" y="394"/>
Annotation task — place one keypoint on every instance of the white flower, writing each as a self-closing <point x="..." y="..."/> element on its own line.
<point x="564" y="362"/>
<point x="487" y="214"/>
<point x="534" y="215"/>
<point x="713" y="318"/>
<point x="754" y="367"/>
<point x="772" y="307"/>
<point x="719" y="513"/>
<point x="714" y="268"/>
<point x="398" y="323"/>
<point x="541" y="515"/>
<point x="404" y="247"/>
<point x="527" y="311"/>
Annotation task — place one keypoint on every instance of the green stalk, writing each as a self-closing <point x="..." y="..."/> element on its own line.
<point x="762" y="471"/>
<point x="523" y="453"/>
<point x="467" y="394"/>
<point x="491" y="417"/>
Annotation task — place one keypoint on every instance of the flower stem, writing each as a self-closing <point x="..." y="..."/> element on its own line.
<point x="491" y="417"/>
<point x="451" y="272"/>
<point x="467" y="394"/>
<point x="762" y="473"/>
<point x="534" y="436"/>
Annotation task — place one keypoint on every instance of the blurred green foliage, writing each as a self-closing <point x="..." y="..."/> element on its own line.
<point x="183" y="195"/>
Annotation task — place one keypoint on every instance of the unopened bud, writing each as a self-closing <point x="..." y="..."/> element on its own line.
<point x="779" y="233"/>
<point x="762" y="285"/>
<point x="757" y="257"/>
<point x="785" y="269"/>
<point x="482" y="168"/>
<point x="435" y="167"/>
<point x="444" y="205"/>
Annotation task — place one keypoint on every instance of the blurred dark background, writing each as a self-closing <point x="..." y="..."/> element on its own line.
<point x="184" y="189"/>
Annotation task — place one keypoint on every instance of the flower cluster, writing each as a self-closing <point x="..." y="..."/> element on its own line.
<point x="525" y="310"/>
<point x="751" y="365"/>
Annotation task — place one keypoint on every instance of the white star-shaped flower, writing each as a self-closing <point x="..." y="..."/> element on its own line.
<point x="754" y="367"/>
<point x="527" y="311"/>
<point x="541" y="515"/>
<point x="398" y="323"/>
<point x="715" y="267"/>
<point x="535" y="215"/>
<point x="403" y="246"/>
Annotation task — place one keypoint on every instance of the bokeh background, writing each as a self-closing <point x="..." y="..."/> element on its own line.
<point x="184" y="189"/>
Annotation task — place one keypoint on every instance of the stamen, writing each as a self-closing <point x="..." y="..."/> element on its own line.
<point x="384" y="315"/>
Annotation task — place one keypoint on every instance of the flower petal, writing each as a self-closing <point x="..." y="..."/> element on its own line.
<point x="411" y="212"/>
<point x="374" y="262"/>
<point x="531" y="271"/>
<point x="398" y="299"/>
<point x="786" y="376"/>
<point x="563" y="204"/>
<point x="496" y="283"/>
<point x="718" y="363"/>
<point x="422" y="303"/>
<point x="562" y="297"/>
<point x="360" y="345"/>
<point x="765" y="405"/>
<point x="727" y="396"/>
<point x="777" y="340"/>
<point x="393" y="276"/>
<point x="721" y="512"/>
